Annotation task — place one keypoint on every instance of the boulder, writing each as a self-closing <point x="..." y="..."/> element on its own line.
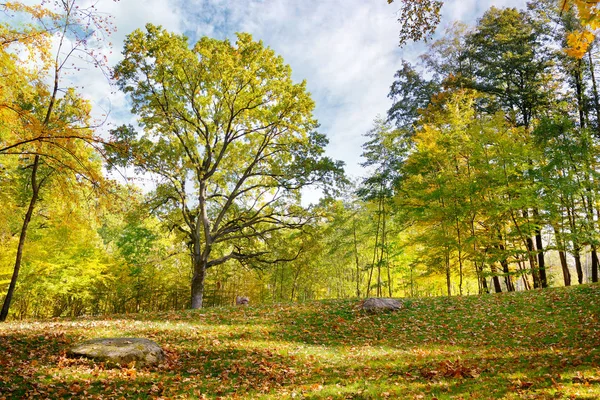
<point x="242" y="301"/>
<point x="375" y="304"/>
<point x="120" y="351"/>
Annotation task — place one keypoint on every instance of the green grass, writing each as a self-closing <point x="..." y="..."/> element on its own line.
<point x="535" y="345"/>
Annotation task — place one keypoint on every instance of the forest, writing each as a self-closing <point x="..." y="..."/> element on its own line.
<point x="482" y="177"/>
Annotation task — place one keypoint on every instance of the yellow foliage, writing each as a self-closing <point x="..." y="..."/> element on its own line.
<point x="588" y="12"/>
<point x="578" y="43"/>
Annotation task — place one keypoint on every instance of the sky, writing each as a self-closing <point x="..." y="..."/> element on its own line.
<point x="346" y="50"/>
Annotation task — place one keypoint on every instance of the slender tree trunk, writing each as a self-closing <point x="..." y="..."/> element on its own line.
<point x="532" y="264"/>
<point x="505" y="269"/>
<point x="540" y="255"/>
<point x="524" y="278"/>
<point x="540" y="249"/>
<point x="448" y="282"/>
<point x="578" y="267"/>
<point x="563" y="257"/>
<point x="589" y="200"/>
<point x="460" y="259"/>
<point x="484" y="284"/>
<point x="507" y="278"/>
<point x="577" y="74"/>
<point x="281" y="286"/>
<point x="575" y="240"/>
<point x="356" y="258"/>
<point x="381" y="254"/>
<point x="495" y="279"/>
<point x="374" y="248"/>
<point x="594" y="264"/>
<point x="565" y="268"/>
<point x="35" y="187"/>
<point x="594" y="90"/>
<point x="412" y="283"/>
<point x="530" y="250"/>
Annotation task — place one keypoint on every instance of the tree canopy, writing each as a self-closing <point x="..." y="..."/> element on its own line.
<point x="231" y="138"/>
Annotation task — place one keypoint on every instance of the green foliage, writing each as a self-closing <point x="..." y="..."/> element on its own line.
<point x="418" y="19"/>
<point x="231" y="137"/>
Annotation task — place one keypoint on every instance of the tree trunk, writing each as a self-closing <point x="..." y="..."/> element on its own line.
<point x="560" y="243"/>
<point x="505" y="269"/>
<point x="594" y="264"/>
<point x="381" y="254"/>
<point x="35" y="187"/>
<point x="578" y="268"/>
<point x="374" y="248"/>
<point x="540" y="250"/>
<point x="541" y="262"/>
<point x="565" y="267"/>
<point x="198" y="284"/>
<point x="524" y="277"/>
<point x="577" y="75"/>
<point x="507" y="278"/>
<point x="460" y="259"/>
<point x="356" y="258"/>
<point x="482" y="279"/>
<point x="534" y="270"/>
<point x="594" y="90"/>
<point x="448" y="281"/>
<point x="495" y="279"/>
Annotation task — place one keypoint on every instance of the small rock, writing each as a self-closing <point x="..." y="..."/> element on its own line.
<point x="242" y="300"/>
<point x="381" y="304"/>
<point x="120" y="351"/>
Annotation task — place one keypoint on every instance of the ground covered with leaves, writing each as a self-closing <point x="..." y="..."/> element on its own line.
<point x="535" y="345"/>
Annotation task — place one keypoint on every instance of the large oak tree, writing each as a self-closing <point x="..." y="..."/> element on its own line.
<point x="229" y="136"/>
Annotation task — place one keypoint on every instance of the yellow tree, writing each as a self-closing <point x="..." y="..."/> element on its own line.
<point x="231" y="139"/>
<point x="45" y="128"/>
<point x="588" y="12"/>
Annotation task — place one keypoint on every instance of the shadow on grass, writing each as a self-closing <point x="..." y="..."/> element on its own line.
<point x="238" y="367"/>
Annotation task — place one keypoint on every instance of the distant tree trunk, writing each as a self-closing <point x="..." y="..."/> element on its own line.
<point x="540" y="249"/>
<point x="594" y="90"/>
<point x="507" y="278"/>
<point x="541" y="262"/>
<point x="589" y="200"/>
<point x="495" y="279"/>
<point x="505" y="269"/>
<point x="578" y="267"/>
<point x="595" y="261"/>
<point x="460" y="259"/>
<point x="382" y="249"/>
<point x="389" y="275"/>
<point x="594" y="264"/>
<point x="524" y="278"/>
<point x="356" y="257"/>
<point x="374" y="250"/>
<point x="448" y="282"/>
<point x="563" y="257"/>
<point x="565" y="268"/>
<point x="484" y="285"/>
<point x="35" y="187"/>
<point x="532" y="263"/>
<point x="577" y="75"/>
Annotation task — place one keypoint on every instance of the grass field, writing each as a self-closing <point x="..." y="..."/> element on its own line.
<point x="535" y="345"/>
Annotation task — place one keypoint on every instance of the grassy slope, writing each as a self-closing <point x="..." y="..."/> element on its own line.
<point x="541" y="344"/>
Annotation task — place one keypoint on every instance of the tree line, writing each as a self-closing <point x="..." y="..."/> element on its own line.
<point x="481" y="177"/>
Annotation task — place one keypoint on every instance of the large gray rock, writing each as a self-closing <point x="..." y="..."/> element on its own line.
<point x="374" y="304"/>
<point x="120" y="351"/>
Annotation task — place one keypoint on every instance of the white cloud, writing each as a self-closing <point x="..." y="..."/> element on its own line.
<point x="347" y="50"/>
